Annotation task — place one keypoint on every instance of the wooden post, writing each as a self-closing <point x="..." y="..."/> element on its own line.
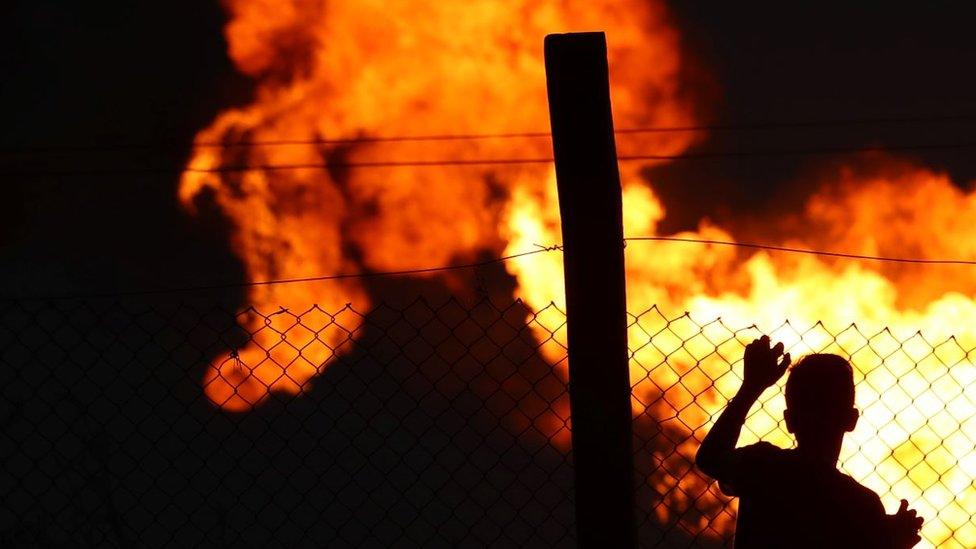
<point x="590" y="206"/>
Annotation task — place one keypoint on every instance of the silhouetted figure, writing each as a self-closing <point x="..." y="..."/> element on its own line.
<point x="797" y="497"/>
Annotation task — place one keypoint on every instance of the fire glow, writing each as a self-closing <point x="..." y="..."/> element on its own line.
<point x="348" y="70"/>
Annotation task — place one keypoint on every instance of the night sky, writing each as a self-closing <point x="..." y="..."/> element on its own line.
<point x="135" y="73"/>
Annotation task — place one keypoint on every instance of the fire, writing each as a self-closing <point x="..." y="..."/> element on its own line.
<point x="339" y="71"/>
<point x="348" y="70"/>
<point x="914" y="404"/>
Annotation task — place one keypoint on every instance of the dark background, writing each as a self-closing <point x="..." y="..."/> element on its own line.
<point x="820" y="62"/>
<point x="81" y="73"/>
<point x="109" y="73"/>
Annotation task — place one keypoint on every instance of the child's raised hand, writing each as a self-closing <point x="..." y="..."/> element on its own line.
<point x="904" y="526"/>
<point x="763" y="366"/>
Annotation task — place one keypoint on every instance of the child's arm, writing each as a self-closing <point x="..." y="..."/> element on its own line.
<point x="762" y="368"/>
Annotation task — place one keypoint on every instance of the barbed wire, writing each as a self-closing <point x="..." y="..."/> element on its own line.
<point x="754" y="126"/>
<point x="476" y="264"/>
<point x="367" y="164"/>
<point x="320" y="278"/>
<point x="772" y="248"/>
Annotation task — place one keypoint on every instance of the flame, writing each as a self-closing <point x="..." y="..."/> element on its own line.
<point x="329" y="76"/>
<point x="350" y="70"/>
<point x="914" y="405"/>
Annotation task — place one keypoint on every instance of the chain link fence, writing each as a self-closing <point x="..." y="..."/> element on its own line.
<point x="421" y="424"/>
<point x="915" y="439"/>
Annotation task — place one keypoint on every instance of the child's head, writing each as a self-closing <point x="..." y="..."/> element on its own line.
<point x="820" y="397"/>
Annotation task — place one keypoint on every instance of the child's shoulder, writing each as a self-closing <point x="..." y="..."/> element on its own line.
<point x="764" y="456"/>
<point x="857" y="488"/>
<point x="763" y="449"/>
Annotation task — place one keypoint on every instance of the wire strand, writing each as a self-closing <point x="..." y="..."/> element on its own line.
<point x="759" y="126"/>
<point x="769" y="247"/>
<point x="481" y="161"/>
<point x="540" y="249"/>
<point x="232" y="285"/>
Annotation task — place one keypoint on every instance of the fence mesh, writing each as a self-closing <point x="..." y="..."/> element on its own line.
<point x="415" y="425"/>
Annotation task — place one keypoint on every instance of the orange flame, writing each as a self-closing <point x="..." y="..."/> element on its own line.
<point x="349" y="70"/>
<point x="344" y="70"/>
<point x="894" y="208"/>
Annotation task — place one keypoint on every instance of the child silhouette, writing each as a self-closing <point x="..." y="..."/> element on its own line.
<point x="797" y="497"/>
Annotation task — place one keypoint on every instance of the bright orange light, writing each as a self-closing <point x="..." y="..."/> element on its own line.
<point x="341" y="70"/>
